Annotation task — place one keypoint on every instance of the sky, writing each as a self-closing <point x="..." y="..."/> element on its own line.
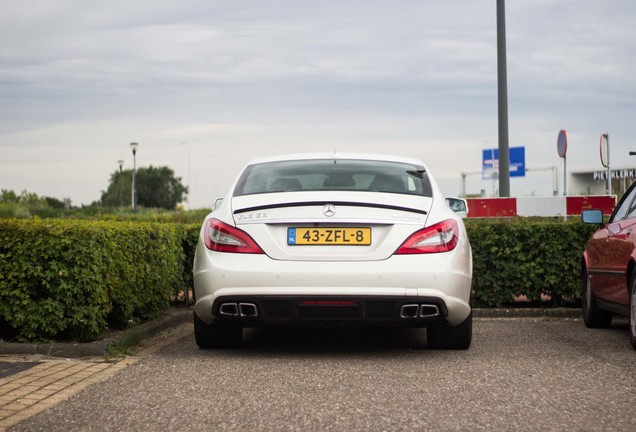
<point x="206" y="86"/>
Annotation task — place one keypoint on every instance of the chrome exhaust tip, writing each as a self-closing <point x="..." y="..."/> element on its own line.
<point x="248" y="310"/>
<point x="229" y="309"/>
<point x="409" y="311"/>
<point x="428" y="311"/>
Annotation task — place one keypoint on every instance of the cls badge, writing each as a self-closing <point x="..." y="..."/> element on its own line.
<point x="329" y="210"/>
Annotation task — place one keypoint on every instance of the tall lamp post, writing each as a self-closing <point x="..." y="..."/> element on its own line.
<point x="502" y="97"/>
<point x="134" y="146"/>
<point x="121" y="170"/>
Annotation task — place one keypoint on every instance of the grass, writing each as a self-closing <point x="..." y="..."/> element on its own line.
<point x="123" y="347"/>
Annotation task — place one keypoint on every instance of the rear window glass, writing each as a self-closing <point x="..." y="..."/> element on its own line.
<point x="334" y="174"/>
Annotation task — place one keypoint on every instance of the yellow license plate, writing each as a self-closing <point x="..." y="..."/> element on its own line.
<point x="329" y="236"/>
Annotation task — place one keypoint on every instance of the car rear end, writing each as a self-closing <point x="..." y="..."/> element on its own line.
<point x="299" y="241"/>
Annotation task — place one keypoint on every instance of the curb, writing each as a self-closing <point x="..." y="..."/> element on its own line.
<point x="527" y="312"/>
<point x="173" y="317"/>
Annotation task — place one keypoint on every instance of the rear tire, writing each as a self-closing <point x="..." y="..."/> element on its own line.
<point x="592" y="315"/>
<point x="216" y="335"/>
<point x="445" y="336"/>
<point x="632" y="310"/>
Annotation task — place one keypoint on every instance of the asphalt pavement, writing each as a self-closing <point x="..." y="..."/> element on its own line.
<point x="173" y="316"/>
<point x="525" y="373"/>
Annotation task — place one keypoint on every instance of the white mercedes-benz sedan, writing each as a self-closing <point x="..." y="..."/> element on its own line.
<point x="343" y="238"/>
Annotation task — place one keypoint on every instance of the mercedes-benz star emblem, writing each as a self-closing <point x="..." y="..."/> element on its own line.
<point x="329" y="210"/>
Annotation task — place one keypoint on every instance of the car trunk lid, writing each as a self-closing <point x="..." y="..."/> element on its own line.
<point x="330" y="226"/>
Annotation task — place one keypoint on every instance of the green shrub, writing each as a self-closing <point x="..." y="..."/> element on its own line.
<point x="513" y="257"/>
<point x="74" y="279"/>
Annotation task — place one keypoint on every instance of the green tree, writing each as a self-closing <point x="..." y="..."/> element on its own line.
<point x="156" y="188"/>
<point x="8" y="196"/>
<point x="56" y="203"/>
<point x="27" y="199"/>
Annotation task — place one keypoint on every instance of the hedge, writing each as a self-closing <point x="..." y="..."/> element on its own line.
<point x="72" y="279"/>
<point x="75" y="279"/>
<point x="525" y="257"/>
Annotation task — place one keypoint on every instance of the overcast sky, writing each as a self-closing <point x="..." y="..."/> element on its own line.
<point x="205" y="86"/>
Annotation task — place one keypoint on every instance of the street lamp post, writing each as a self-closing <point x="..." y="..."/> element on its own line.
<point x="502" y="102"/>
<point x="121" y="170"/>
<point x="134" y="146"/>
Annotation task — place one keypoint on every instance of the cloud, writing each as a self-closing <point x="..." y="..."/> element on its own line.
<point x="245" y="78"/>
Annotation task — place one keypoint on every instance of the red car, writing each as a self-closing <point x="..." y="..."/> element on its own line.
<point x="609" y="259"/>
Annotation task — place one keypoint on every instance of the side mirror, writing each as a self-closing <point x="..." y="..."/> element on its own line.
<point x="217" y="203"/>
<point x="593" y="216"/>
<point x="458" y="205"/>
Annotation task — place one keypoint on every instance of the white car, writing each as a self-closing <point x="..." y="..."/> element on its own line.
<point x="343" y="238"/>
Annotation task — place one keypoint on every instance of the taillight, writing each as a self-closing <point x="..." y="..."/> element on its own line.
<point x="441" y="237"/>
<point x="221" y="237"/>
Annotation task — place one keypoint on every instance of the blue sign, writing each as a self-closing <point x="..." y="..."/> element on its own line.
<point x="490" y="163"/>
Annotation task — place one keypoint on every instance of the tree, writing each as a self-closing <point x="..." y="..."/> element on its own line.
<point x="8" y="196"/>
<point x="156" y="188"/>
<point x="56" y="203"/>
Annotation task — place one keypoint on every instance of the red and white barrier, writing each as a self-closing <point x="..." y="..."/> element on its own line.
<point x="539" y="206"/>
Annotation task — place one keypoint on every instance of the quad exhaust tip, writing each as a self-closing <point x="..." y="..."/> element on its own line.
<point x="229" y="309"/>
<point x="419" y="311"/>
<point x="247" y="310"/>
<point x="409" y="311"/>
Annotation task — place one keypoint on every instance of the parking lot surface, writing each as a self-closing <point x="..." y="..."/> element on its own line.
<point x="519" y="374"/>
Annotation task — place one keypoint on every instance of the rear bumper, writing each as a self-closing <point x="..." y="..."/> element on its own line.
<point x="357" y="291"/>
<point x="258" y="310"/>
<point x="251" y="308"/>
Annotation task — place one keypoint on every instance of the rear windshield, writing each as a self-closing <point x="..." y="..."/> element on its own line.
<point x="332" y="175"/>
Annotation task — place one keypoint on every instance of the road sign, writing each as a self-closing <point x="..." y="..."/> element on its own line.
<point x="490" y="163"/>
<point x="562" y="149"/>
<point x="562" y="143"/>
<point x="605" y="150"/>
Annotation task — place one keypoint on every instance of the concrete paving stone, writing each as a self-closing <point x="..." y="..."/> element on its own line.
<point x="19" y="416"/>
<point x="72" y="370"/>
<point x="4" y="399"/>
<point x="6" y="388"/>
<point x="69" y="380"/>
<point x="32" y="410"/>
<point x="62" y="370"/>
<point x="94" y="368"/>
<point x="13" y="407"/>
<point x="22" y="381"/>
<point x="45" y="392"/>
<point x="56" y="387"/>
<point x="35" y="396"/>
<point x="18" y="392"/>
<point x="23" y="402"/>
<point x="44" y="381"/>
<point x="30" y="388"/>
<point x="39" y="372"/>
<point x="83" y="375"/>
<point x="6" y="423"/>
<point x="58" y="397"/>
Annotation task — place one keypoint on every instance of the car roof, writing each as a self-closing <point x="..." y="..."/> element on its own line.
<point x="335" y="156"/>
